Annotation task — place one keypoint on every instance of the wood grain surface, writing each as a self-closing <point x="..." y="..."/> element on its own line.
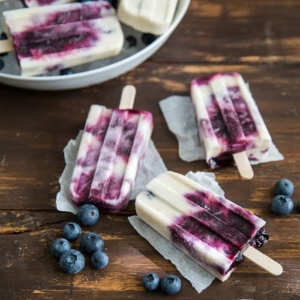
<point x="259" y="39"/>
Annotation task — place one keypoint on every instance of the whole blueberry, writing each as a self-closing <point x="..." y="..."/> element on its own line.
<point x="71" y="231"/>
<point x="298" y="206"/>
<point x="3" y="36"/>
<point x="171" y="284"/>
<point x="59" y="246"/>
<point x="151" y="281"/>
<point x="99" y="260"/>
<point x="72" y="261"/>
<point x="91" y="242"/>
<point x="131" y="41"/>
<point x="148" y="38"/>
<point x="67" y="71"/>
<point x="282" y="205"/>
<point x="284" y="187"/>
<point x="88" y="215"/>
<point x="261" y="238"/>
<point x="1" y="64"/>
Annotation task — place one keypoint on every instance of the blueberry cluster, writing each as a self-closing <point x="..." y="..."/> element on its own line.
<point x="170" y="284"/>
<point x="72" y="261"/>
<point x="282" y="204"/>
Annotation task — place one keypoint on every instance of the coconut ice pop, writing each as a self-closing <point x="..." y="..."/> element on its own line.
<point x="149" y="16"/>
<point x="61" y="37"/>
<point x="228" y="119"/>
<point x="113" y="144"/>
<point x="210" y="229"/>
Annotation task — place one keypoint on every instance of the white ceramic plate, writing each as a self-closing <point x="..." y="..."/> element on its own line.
<point x="92" y="73"/>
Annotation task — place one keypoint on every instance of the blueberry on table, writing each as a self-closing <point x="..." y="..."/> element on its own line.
<point x="59" y="246"/>
<point x="282" y="205"/>
<point x="71" y="231"/>
<point x="171" y="284"/>
<point x="91" y="242"/>
<point x="72" y="261"/>
<point x="148" y="38"/>
<point x="99" y="260"/>
<point x="67" y="71"/>
<point x="151" y="281"/>
<point x="88" y="215"/>
<point x="284" y="187"/>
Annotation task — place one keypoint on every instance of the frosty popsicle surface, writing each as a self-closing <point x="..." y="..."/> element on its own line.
<point x="228" y="119"/>
<point x="113" y="144"/>
<point x="149" y="16"/>
<point x="210" y="229"/>
<point x="64" y="36"/>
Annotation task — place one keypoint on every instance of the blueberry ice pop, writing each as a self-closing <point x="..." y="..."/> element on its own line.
<point x="61" y="37"/>
<point x="113" y="145"/>
<point x="228" y="119"/>
<point x="210" y="229"/>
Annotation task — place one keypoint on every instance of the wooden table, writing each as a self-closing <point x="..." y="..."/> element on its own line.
<point x="259" y="39"/>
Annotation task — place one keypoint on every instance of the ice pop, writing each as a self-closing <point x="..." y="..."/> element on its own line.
<point x="112" y="146"/>
<point x="149" y="16"/>
<point x="228" y="119"/>
<point x="64" y="36"/>
<point x="210" y="229"/>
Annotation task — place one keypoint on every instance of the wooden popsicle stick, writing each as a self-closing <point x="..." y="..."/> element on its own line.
<point x="6" y="46"/>
<point x="127" y="97"/>
<point x="263" y="261"/>
<point x="243" y="165"/>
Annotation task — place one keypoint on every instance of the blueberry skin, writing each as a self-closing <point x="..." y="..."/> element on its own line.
<point x="91" y="242"/>
<point x="99" y="260"/>
<point x="171" y="284"/>
<point x="71" y="231"/>
<point x="3" y="36"/>
<point x="282" y="205"/>
<point x="112" y="2"/>
<point x="131" y="41"/>
<point x="284" y="187"/>
<point x="72" y="262"/>
<point x="148" y="38"/>
<point x="67" y="71"/>
<point x="298" y="207"/>
<point x="88" y="215"/>
<point x="151" y="281"/>
<point x="59" y="246"/>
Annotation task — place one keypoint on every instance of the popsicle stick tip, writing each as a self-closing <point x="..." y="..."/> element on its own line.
<point x="6" y="46"/>
<point x="127" y="97"/>
<point x="243" y="165"/>
<point x="263" y="261"/>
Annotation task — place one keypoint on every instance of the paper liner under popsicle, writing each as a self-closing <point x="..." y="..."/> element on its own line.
<point x="172" y="200"/>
